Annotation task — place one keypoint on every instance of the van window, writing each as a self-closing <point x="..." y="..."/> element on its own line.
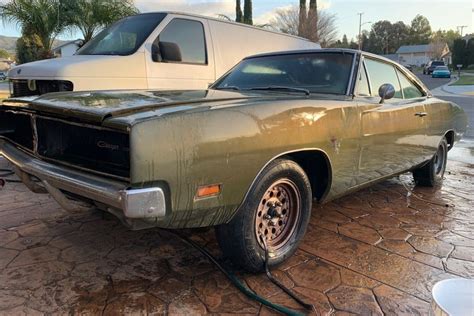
<point x="123" y="37"/>
<point x="380" y="73"/>
<point x="410" y="91"/>
<point x="182" y="41"/>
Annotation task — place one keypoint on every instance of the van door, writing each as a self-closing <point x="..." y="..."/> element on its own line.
<point x="392" y="133"/>
<point x="181" y="56"/>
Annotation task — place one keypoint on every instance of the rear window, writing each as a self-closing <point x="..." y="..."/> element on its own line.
<point x="437" y="63"/>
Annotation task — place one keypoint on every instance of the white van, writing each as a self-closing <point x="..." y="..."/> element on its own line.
<point x="160" y="50"/>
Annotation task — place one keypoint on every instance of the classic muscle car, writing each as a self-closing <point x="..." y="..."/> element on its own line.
<point x="249" y="155"/>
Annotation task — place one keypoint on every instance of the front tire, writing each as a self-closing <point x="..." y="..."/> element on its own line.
<point x="432" y="173"/>
<point x="278" y="207"/>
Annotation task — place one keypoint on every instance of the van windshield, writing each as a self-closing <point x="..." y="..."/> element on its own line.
<point x="124" y="37"/>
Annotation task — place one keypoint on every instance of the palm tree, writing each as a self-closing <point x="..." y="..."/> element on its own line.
<point x="238" y="12"/>
<point x="302" y="18"/>
<point x="90" y="16"/>
<point x="41" y="18"/>
<point x="248" y="12"/>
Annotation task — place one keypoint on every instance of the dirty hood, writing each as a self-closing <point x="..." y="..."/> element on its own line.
<point x="97" y="106"/>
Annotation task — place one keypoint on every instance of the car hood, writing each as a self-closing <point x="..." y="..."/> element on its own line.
<point x="102" y="106"/>
<point x="81" y="66"/>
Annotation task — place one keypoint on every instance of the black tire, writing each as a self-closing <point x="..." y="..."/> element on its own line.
<point x="432" y="173"/>
<point x="238" y="239"/>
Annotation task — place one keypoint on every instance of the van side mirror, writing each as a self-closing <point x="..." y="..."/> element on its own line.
<point x="386" y="91"/>
<point x="169" y="52"/>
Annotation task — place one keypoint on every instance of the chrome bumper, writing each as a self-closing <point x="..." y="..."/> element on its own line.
<point x="134" y="203"/>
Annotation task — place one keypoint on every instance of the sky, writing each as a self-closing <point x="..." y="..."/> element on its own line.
<point x="442" y="14"/>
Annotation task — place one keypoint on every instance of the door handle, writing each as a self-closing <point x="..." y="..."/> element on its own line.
<point x="421" y="114"/>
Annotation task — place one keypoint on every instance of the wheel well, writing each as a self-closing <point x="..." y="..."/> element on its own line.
<point x="450" y="138"/>
<point x="317" y="167"/>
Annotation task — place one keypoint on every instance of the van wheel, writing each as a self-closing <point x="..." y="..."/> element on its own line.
<point x="432" y="173"/>
<point x="277" y="208"/>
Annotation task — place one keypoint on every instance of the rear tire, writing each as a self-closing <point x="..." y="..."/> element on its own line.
<point x="278" y="206"/>
<point x="432" y="173"/>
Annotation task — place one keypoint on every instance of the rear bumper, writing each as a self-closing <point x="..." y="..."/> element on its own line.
<point x="133" y="203"/>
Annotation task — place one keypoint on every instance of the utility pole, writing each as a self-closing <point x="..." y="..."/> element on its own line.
<point x="462" y="28"/>
<point x="360" y="29"/>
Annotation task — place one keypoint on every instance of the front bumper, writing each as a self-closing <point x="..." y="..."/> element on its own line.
<point x="55" y="179"/>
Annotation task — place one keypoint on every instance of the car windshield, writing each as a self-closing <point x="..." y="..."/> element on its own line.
<point x="123" y="37"/>
<point x="441" y="68"/>
<point x="321" y="72"/>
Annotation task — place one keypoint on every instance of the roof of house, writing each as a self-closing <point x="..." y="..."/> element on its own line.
<point x="393" y="57"/>
<point x="407" y="49"/>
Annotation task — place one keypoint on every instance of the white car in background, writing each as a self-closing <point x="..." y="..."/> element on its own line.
<point x="160" y="50"/>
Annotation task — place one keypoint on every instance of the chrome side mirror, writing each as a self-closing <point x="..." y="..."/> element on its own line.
<point x="386" y="91"/>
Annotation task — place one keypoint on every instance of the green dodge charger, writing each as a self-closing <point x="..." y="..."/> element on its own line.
<point x="250" y="155"/>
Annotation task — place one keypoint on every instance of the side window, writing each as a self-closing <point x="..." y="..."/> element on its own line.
<point x="181" y="41"/>
<point x="363" y="83"/>
<point x="381" y="73"/>
<point x="410" y="91"/>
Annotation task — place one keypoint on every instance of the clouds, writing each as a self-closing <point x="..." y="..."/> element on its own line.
<point x="263" y="11"/>
<point x="268" y="16"/>
<point x="209" y="7"/>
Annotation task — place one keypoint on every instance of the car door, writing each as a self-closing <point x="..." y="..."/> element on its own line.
<point x="181" y="56"/>
<point x="392" y="132"/>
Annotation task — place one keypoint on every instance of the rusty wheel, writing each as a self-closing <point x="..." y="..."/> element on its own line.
<point x="277" y="214"/>
<point x="278" y="206"/>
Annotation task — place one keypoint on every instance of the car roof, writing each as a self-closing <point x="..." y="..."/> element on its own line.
<point x="323" y="50"/>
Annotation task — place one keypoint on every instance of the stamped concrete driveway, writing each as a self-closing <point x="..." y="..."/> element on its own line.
<point x="376" y="251"/>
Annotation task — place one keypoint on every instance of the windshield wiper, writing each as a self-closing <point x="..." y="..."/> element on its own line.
<point x="228" y="88"/>
<point x="282" y="88"/>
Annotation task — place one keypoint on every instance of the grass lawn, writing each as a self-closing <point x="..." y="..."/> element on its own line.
<point x="464" y="81"/>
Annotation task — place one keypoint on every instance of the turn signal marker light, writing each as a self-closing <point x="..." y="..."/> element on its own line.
<point x="208" y="190"/>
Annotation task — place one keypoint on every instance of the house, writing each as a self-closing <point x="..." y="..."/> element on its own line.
<point x="393" y="57"/>
<point x="67" y="48"/>
<point x="6" y="64"/>
<point x="421" y="54"/>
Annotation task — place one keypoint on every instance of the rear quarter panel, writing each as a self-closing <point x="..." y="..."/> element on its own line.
<point x="443" y="116"/>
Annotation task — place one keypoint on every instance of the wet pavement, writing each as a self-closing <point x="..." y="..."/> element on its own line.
<point x="376" y="251"/>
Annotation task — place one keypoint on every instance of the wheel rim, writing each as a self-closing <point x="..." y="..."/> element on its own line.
<point x="439" y="160"/>
<point x="277" y="214"/>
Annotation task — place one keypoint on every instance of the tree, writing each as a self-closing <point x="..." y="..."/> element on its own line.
<point x="445" y="36"/>
<point x="4" y="54"/>
<point x="381" y="37"/>
<point x="248" y="12"/>
<point x="470" y="52"/>
<point x="460" y="53"/>
<point x="238" y="12"/>
<point x="420" y="30"/>
<point x="90" y="16"/>
<point x="288" y="21"/>
<point x="400" y="33"/>
<point x="29" y="48"/>
<point x="40" y="17"/>
<point x="301" y="18"/>
<point x="313" y="21"/>
<point x="345" y="43"/>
